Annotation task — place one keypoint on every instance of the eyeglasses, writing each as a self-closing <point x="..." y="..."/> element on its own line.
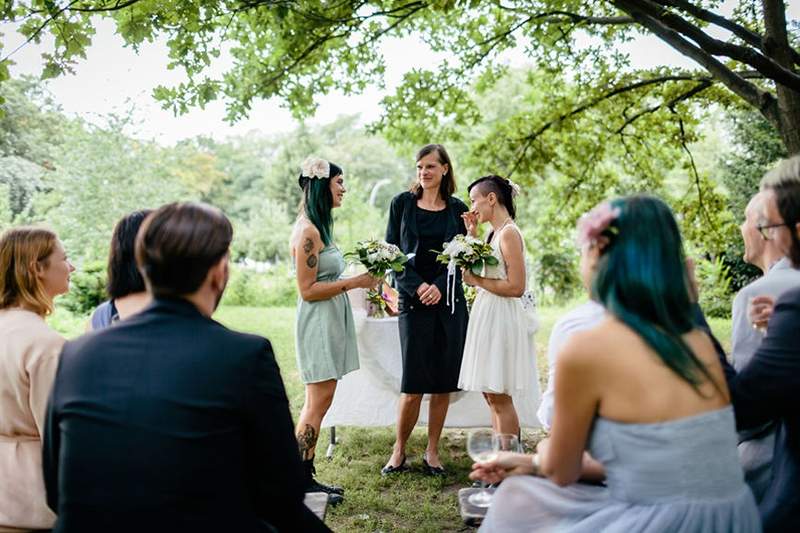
<point x="763" y="227"/>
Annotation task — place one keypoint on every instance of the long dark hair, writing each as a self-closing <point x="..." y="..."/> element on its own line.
<point x="501" y="187"/>
<point x="317" y="203"/>
<point x="124" y="277"/>
<point x="641" y="279"/>
<point x="448" y="185"/>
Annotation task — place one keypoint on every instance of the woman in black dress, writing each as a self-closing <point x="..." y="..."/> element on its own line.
<point x="431" y="331"/>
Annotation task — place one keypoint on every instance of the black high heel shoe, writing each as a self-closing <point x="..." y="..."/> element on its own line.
<point x="389" y="469"/>
<point x="432" y="470"/>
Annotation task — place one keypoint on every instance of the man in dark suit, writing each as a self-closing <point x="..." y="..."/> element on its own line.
<point x="168" y="421"/>
<point x="766" y="389"/>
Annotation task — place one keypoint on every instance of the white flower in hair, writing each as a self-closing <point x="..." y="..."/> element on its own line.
<point x="314" y="167"/>
<point x="515" y="189"/>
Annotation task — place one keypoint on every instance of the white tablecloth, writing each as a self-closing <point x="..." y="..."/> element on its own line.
<point x="368" y="396"/>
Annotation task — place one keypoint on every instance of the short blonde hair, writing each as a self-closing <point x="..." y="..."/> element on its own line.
<point x="20" y="249"/>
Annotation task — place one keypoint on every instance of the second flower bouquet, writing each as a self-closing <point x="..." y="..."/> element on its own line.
<point x="380" y="257"/>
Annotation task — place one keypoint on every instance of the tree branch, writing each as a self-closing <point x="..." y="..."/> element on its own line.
<point x="116" y="7"/>
<point x="560" y="16"/>
<point x="750" y="93"/>
<point x="696" y="176"/>
<point x="750" y="37"/>
<point x="556" y="16"/>
<point x="700" y="87"/>
<point x="703" y="83"/>
<point x="771" y="69"/>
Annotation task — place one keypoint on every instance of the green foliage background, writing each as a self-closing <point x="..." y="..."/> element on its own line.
<point x="80" y="178"/>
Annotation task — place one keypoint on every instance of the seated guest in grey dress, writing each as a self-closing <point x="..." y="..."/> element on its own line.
<point x="126" y="291"/>
<point x="643" y="391"/>
<point x="762" y="251"/>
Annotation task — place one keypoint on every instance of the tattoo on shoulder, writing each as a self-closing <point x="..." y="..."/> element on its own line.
<point x="308" y="245"/>
<point x="311" y="261"/>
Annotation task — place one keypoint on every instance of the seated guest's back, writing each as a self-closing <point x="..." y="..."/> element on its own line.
<point x="33" y="270"/>
<point x="644" y="391"/>
<point x="127" y="294"/>
<point x="169" y="421"/>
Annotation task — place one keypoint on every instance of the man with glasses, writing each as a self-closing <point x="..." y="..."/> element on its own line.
<point x="764" y="252"/>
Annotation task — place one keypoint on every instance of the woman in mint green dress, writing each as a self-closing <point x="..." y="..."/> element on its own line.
<point x="325" y="335"/>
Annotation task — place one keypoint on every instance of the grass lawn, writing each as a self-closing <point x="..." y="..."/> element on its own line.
<point x="410" y="502"/>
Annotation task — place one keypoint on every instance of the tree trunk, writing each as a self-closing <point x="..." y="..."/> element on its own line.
<point x="776" y="45"/>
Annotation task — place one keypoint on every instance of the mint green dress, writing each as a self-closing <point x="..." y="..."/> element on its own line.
<point x="325" y="334"/>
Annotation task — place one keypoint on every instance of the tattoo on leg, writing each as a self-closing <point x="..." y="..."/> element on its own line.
<point x="311" y="261"/>
<point x="307" y="440"/>
<point x="308" y="245"/>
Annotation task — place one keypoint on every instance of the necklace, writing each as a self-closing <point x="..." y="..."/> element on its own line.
<point x="503" y="225"/>
<point x="496" y="232"/>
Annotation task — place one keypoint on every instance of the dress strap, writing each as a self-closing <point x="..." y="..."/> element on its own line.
<point x="510" y="224"/>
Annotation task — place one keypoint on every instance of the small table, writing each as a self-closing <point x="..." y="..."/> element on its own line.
<point x="368" y="397"/>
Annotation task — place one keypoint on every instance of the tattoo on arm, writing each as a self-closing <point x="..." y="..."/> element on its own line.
<point x="307" y="441"/>
<point x="311" y="261"/>
<point x="308" y="245"/>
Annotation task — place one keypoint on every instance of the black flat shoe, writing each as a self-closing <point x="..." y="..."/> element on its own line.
<point x="335" y="499"/>
<point x="432" y="470"/>
<point x="316" y="486"/>
<point x="389" y="469"/>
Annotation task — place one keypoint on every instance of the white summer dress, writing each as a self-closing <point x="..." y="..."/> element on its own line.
<point x="499" y="353"/>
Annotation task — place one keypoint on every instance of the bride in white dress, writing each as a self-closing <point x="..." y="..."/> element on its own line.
<point x="499" y="356"/>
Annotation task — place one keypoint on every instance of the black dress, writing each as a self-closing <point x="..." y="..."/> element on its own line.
<point x="431" y="336"/>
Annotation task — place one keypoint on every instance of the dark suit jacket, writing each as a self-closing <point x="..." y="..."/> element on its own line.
<point x="402" y="231"/>
<point x="168" y="421"/>
<point x="766" y="390"/>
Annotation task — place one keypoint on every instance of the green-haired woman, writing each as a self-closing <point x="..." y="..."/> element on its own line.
<point x="325" y="334"/>
<point x="643" y="391"/>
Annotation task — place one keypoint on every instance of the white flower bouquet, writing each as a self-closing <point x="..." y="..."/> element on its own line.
<point x="467" y="252"/>
<point x="464" y="252"/>
<point x="379" y="257"/>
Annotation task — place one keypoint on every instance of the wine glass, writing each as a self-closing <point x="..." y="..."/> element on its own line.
<point x="508" y="442"/>
<point x="482" y="448"/>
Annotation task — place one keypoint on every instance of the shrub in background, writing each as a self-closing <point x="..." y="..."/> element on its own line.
<point x="246" y="287"/>
<point x="87" y="288"/>
<point x="714" y="280"/>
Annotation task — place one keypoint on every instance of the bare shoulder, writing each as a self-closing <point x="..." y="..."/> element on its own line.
<point x="511" y="238"/>
<point x="306" y="236"/>
<point x="591" y="347"/>
<point x="700" y="343"/>
<point x="581" y="347"/>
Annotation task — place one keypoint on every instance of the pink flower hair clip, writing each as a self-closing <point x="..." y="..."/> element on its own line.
<point x="592" y="224"/>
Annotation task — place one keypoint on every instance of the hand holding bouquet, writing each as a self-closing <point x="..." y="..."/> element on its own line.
<point x="464" y="252"/>
<point x="380" y="257"/>
<point x="467" y="252"/>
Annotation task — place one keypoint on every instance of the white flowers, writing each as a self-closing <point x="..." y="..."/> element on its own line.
<point x="379" y="257"/>
<point x="467" y="252"/>
<point x="460" y="246"/>
<point x="314" y="167"/>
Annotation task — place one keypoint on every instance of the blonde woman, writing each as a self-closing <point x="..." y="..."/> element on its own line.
<point x="34" y="269"/>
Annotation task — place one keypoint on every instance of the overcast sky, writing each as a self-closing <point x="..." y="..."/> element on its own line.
<point x="114" y="78"/>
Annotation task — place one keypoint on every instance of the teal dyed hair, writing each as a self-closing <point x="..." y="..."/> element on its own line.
<point x="641" y="279"/>
<point x="318" y="203"/>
